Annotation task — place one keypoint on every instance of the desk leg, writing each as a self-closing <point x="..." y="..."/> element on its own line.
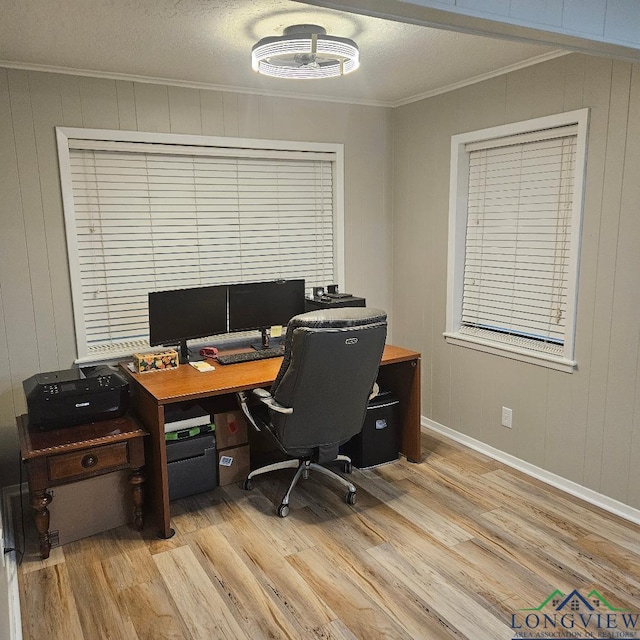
<point x="152" y="416"/>
<point x="137" y="479"/>
<point x="39" y="502"/>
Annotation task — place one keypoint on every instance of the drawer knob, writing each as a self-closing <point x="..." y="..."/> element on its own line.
<point x="89" y="461"/>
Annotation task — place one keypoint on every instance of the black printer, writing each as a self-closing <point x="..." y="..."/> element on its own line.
<point x="75" y="396"/>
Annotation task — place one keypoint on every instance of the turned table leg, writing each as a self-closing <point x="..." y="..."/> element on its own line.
<point x="39" y="502"/>
<point x="137" y="479"/>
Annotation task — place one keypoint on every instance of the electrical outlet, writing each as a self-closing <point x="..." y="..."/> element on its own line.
<point x="507" y="417"/>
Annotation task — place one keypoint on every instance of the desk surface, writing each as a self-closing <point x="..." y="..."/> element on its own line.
<point x="186" y="383"/>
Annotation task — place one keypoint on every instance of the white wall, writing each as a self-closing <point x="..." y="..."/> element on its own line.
<point x="36" y="322"/>
<point x="584" y="426"/>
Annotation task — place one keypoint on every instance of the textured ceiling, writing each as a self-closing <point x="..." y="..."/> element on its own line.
<point x="208" y="43"/>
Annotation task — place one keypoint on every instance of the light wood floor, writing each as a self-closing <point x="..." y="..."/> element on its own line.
<point x="449" y="548"/>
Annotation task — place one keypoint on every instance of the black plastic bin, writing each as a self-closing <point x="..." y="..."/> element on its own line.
<point x="192" y="464"/>
<point x="379" y="440"/>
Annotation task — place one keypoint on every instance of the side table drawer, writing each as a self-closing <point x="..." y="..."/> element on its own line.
<point x="88" y="461"/>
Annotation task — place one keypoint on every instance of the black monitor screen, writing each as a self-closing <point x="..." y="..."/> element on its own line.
<point x="184" y="314"/>
<point x="258" y="305"/>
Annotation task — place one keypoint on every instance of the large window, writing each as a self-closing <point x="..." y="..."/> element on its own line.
<point x="149" y="212"/>
<point x="515" y="214"/>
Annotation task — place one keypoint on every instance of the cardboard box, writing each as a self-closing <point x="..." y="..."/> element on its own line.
<point x="233" y="465"/>
<point x="145" y="362"/>
<point x="87" y="507"/>
<point x="231" y="429"/>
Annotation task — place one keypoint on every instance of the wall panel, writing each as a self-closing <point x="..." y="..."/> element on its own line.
<point x="69" y="87"/>
<point x="152" y="107"/>
<point x="249" y="116"/>
<point x="49" y="288"/>
<point x="184" y="110"/>
<point x="19" y="175"/>
<point x="27" y="105"/>
<point x="126" y="105"/>
<point x="596" y="94"/>
<point x="230" y="115"/>
<point x="99" y="100"/>
<point x="611" y="145"/>
<point x="212" y="113"/>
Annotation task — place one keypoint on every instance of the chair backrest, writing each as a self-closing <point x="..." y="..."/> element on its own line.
<point x="330" y="365"/>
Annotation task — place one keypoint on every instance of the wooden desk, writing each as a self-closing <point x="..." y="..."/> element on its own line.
<point x="399" y="373"/>
<point x="61" y="456"/>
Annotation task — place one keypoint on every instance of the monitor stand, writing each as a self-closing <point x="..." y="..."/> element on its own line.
<point x="268" y="342"/>
<point x="265" y="341"/>
<point x="183" y="350"/>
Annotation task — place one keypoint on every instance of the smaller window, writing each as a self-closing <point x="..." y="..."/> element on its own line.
<point x="514" y="233"/>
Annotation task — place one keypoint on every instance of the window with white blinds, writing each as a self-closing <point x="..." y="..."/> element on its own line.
<point x="150" y="216"/>
<point x="519" y="190"/>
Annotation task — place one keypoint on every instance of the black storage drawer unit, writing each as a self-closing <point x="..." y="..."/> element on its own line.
<point x="192" y="464"/>
<point x="379" y="440"/>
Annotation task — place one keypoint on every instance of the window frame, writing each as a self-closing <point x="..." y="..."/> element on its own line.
<point x="65" y="134"/>
<point x="458" y="211"/>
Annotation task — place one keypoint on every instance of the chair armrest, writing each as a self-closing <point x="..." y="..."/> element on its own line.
<point x="261" y="393"/>
<point x="242" y="401"/>
<point x="266" y="398"/>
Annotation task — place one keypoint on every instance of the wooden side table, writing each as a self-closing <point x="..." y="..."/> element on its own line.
<point x="61" y="456"/>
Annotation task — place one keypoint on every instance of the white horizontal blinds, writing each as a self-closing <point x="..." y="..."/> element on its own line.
<point x="148" y="221"/>
<point x="110" y="248"/>
<point x="286" y="221"/>
<point x="517" y="257"/>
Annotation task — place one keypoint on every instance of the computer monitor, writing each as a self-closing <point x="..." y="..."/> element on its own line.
<point x="260" y="305"/>
<point x="179" y="315"/>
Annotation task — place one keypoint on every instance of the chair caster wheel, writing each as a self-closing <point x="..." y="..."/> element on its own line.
<point x="283" y="510"/>
<point x="248" y="485"/>
<point x="348" y="467"/>
<point x="350" y="498"/>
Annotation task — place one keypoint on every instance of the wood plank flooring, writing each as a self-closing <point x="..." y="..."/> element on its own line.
<point x="453" y="547"/>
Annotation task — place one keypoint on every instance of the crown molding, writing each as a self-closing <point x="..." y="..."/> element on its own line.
<point x="124" y="77"/>
<point x="485" y="76"/>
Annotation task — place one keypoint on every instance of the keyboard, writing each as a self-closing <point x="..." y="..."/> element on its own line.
<point x="249" y="356"/>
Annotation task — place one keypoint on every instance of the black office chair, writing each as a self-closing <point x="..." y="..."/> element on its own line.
<point x="319" y="398"/>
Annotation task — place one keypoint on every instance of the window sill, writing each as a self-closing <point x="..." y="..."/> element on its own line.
<point x="116" y="352"/>
<point x="509" y="351"/>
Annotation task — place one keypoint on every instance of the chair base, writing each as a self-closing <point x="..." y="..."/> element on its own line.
<point x="303" y="468"/>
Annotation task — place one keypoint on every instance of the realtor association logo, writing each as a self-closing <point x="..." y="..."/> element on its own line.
<point x="575" y="616"/>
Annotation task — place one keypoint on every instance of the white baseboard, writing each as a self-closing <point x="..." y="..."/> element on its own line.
<point x="588" y="495"/>
<point x="11" y="562"/>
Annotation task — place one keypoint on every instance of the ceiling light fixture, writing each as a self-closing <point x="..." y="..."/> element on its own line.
<point x="305" y="51"/>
